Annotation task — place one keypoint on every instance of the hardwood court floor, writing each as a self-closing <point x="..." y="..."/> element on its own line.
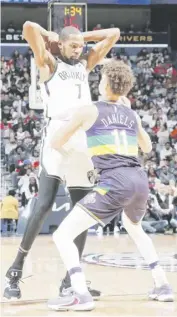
<point x="124" y="289"/>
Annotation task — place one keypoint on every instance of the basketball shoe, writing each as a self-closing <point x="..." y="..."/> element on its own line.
<point x="72" y="302"/>
<point x="162" y="294"/>
<point x="12" y="289"/>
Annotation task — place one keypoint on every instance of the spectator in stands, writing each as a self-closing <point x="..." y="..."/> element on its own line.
<point x="11" y="28"/>
<point x="166" y="199"/>
<point x="29" y="54"/>
<point x="9" y="211"/>
<point x="157" y="126"/>
<point x="6" y="113"/>
<point x="34" y="157"/>
<point x="173" y="221"/>
<point x="6" y="129"/>
<point x="131" y="28"/>
<point x="28" y="143"/>
<point x="152" y="176"/>
<point x="15" y="157"/>
<point x="23" y="185"/>
<point x="151" y="119"/>
<point x="147" y="28"/>
<point x="158" y="90"/>
<point x="17" y="104"/>
<point x="165" y="176"/>
<point x="15" y="55"/>
<point x="166" y="151"/>
<point x="20" y="135"/>
<point x="36" y="133"/>
<point x="154" y="154"/>
<point x="152" y="221"/>
<point x="97" y="27"/>
<point x="163" y="135"/>
<point x="112" y="53"/>
<point x="173" y="166"/>
<point x="9" y="147"/>
<point x="21" y="62"/>
<point x="162" y="116"/>
<point x="32" y="188"/>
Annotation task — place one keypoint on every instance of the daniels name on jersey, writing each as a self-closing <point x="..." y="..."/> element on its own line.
<point x="66" y="90"/>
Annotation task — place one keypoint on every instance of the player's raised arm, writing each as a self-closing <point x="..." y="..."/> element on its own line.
<point x="84" y="118"/>
<point x="106" y="40"/>
<point x="144" y="140"/>
<point x="35" y="35"/>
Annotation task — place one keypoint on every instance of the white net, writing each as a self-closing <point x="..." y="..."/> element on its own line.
<point x="35" y="100"/>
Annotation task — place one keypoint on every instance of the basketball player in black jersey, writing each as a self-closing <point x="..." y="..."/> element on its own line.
<point x="70" y="46"/>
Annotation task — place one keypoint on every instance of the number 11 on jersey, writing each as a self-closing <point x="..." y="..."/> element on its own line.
<point x="121" y="142"/>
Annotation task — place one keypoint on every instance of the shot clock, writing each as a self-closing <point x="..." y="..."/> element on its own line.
<point x="66" y="14"/>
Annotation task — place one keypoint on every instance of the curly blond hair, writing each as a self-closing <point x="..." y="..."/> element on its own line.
<point x="120" y="77"/>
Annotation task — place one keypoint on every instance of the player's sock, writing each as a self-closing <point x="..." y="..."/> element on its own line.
<point x="78" y="280"/>
<point x="158" y="274"/>
<point x="146" y="249"/>
<point x="75" y="223"/>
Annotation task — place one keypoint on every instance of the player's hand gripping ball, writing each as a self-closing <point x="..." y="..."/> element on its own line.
<point x="52" y="43"/>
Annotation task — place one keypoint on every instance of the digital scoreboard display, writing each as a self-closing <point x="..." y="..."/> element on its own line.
<point x="61" y="15"/>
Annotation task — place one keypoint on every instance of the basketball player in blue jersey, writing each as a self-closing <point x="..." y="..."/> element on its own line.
<point x="114" y="132"/>
<point x="65" y="83"/>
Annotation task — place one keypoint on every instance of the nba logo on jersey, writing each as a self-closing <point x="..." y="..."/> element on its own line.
<point x="92" y="176"/>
